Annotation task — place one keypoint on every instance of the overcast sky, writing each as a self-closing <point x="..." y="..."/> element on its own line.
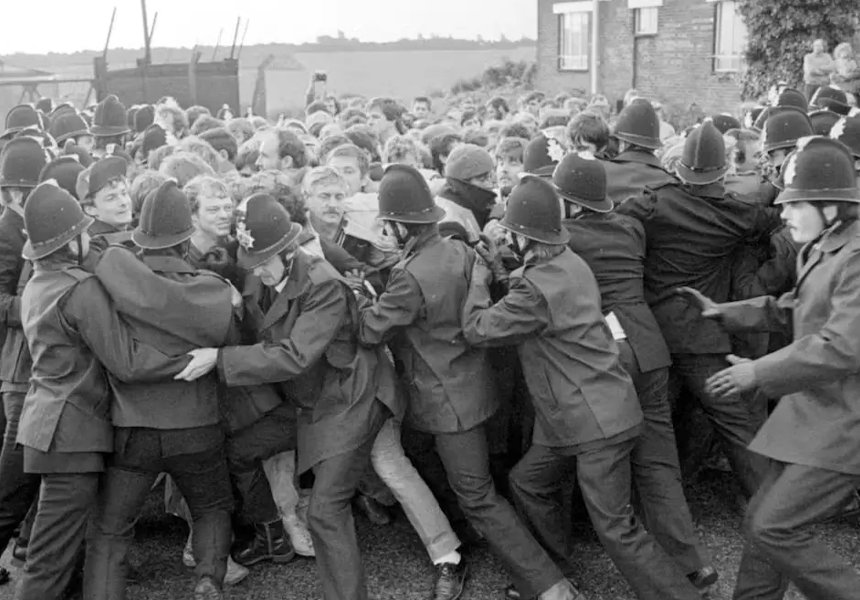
<point x="68" y="26"/>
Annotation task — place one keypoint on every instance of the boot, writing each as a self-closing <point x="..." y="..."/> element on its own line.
<point x="271" y="542"/>
<point x="235" y="573"/>
<point x="563" y="590"/>
<point x="280" y="471"/>
<point x="300" y="537"/>
<point x="207" y="590"/>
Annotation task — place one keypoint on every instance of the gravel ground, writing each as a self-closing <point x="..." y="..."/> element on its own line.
<point x="398" y="569"/>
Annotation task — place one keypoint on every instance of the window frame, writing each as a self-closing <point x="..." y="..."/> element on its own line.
<point x="637" y="21"/>
<point x="734" y="60"/>
<point x="583" y="65"/>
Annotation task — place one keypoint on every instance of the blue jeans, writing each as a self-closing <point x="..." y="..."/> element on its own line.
<point x="418" y="502"/>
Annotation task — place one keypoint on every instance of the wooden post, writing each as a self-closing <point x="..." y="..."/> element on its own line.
<point x="148" y="55"/>
<point x="192" y="75"/>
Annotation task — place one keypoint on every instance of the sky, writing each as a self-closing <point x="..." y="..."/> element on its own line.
<point x="73" y="26"/>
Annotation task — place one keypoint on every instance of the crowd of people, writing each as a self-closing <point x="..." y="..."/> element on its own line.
<point x="459" y="311"/>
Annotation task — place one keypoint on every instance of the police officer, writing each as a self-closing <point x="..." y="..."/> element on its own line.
<point x="169" y="426"/>
<point x="692" y="228"/>
<point x="65" y="424"/>
<point x="21" y="162"/>
<point x="586" y="413"/>
<point x="635" y="167"/>
<point x="303" y="314"/>
<point x="810" y="439"/>
<point x="613" y="246"/>
<point x="450" y="392"/>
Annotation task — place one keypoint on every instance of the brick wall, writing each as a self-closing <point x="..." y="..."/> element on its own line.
<point x="675" y="66"/>
<point x="550" y="78"/>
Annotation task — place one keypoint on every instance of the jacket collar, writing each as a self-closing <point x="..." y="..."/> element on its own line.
<point x="636" y="156"/>
<point x="416" y="243"/>
<point x="167" y="264"/>
<point x="830" y="242"/>
<point x="101" y="228"/>
<point x="299" y="269"/>
<point x="711" y="190"/>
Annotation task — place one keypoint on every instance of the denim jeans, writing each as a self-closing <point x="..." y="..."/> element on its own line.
<point x="418" y="502"/>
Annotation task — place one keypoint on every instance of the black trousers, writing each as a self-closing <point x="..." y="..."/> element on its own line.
<point x="466" y="459"/>
<point x="66" y="501"/>
<point x="331" y="522"/>
<point x="202" y="477"/>
<point x="247" y="448"/>
<point x="736" y="419"/>
<point x="781" y="544"/>
<point x="657" y="470"/>
<point x="604" y="476"/>
<point x="18" y="490"/>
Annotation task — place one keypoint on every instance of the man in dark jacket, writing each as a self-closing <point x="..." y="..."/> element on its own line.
<point x="586" y="413"/>
<point x="21" y="162"/>
<point x="171" y="426"/>
<point x="450" y="394"/>
<point x="613" y="246"/>
<point x="693" y="228"/>
<point x="65" y="424"/>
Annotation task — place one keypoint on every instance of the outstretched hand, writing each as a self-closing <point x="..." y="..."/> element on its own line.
<point x="203" y="360"/>
<point x="708" y="308"/>
<point x="738" y="378"/>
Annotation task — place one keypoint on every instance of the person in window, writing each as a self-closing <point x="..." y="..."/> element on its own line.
<point x="817" y="67"/>
<point x="846" y="73"/>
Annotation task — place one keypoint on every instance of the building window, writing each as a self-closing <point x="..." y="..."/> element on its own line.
<point x="645" y="21"/>
<point x="574" y="41"/>
<point x="730" y="37"/>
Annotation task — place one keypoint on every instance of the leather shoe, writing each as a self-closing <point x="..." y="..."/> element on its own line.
<point x="450" y="580"/>
<point x="511" y="593"/>
<point x="207" y="590"/>
<point x="704" y="577"/>
<point x="373" y="510"/>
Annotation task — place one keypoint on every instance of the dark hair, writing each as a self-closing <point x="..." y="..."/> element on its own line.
<point x="497" y="103"/>
<point x="441" y="146"/>
<point x="520" y="130"/>
<point x="743" y="137"/>
<point x="221" y="139"/>
<point x="334" y="99"/>
<point x="423" y="100"/>
<point x="588" y="127"/>
<point x="329" y="144"/>
<point x="365" y="138"/>
<point x="295" y="206"/>
<point x="290" y="145"/>
<point x="555" y="121"/>
<point x="205" y="122"/>
<point x="469" y="114"/>
<point x="102" y="141"/>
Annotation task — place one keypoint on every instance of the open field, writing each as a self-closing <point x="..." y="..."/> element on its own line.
<point x="402" y="74"/>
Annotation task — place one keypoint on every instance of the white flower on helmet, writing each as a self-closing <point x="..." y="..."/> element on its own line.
<point x="790" y="170"/>
<point x="243" y="236"/>
<point x="554" y="149"/>
<point x="838" y="129"/>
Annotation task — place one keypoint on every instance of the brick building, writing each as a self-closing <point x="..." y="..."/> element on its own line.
<point x="675" y="51"/>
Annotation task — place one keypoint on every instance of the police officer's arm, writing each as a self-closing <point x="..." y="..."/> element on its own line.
<point x="829" y="354"/>
<point x="520" y="314"/>
<point x="11" y="265"/>
<point x="761" y="314"/>
<point x="774" y="276"/>
<point x="639" y="207"/>
<point x="87" y="311"/>
<point x="398" y="306"/>
<point x="323" y="307"/>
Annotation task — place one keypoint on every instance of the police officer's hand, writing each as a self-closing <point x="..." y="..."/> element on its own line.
<point x="203" y="360"/>
<point x="708" y="308"/>
<point x="740" y="377"/>
<point x="489" y="253"/>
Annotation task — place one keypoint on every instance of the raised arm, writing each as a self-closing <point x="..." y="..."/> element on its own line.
<point x="397" y="307"/>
